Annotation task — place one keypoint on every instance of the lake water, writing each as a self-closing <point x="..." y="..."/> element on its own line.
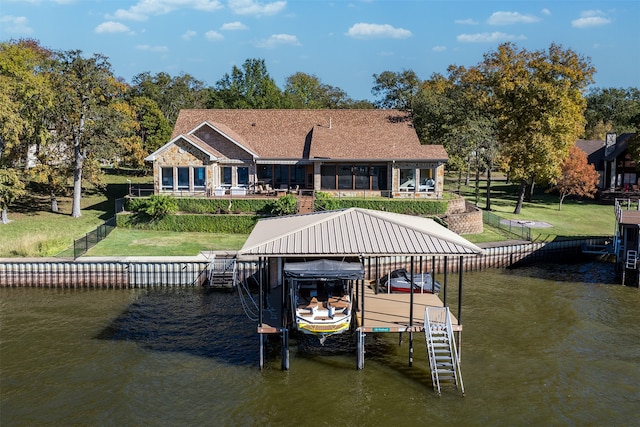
<point x="552" y="346"/>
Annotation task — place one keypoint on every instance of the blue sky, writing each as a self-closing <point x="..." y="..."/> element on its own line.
<point x="343" y="43"/>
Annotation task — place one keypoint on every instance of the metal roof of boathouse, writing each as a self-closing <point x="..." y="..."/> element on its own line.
<point x="353" y="232"/>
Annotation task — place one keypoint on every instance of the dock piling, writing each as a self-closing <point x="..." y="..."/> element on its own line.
<point x="360" y="348"/>
<point x="284" y="336"/>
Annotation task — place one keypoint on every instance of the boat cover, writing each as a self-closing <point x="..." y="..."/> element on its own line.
<point x="324" y="268"/>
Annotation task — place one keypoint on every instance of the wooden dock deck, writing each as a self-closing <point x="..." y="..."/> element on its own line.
<point x="390" y="312"/>
<point x="382" y="312"/>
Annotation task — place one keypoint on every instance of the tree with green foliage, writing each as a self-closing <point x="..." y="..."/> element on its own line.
<point x="455" y="111"/>
<point x="397" y="89"/>
<point x="612" y="110"/>
<point x="126" y="127"/>
<point x="171" y="94"/>
<point x="306" y="91"/>
<point x="85" y="87"/>
<point x="52" y="173"/>
<point x="154" y="129"/>
<point x="539" y="105"/>
<point x="247" y="87"/>
<point x="11" y="188"/>
<point x="26" y="100"/>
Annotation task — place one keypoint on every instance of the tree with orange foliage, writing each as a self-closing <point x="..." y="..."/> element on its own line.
<point x="578" y="178"/>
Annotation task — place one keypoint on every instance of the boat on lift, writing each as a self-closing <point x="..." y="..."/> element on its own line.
<point x="321" y="295"/>
<point x="399" y="281"/>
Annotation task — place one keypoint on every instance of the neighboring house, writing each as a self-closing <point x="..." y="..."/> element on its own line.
<point x="342" y="152"/>
<point x="612" y="161"/>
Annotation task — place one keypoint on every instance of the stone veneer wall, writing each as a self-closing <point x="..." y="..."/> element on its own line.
<point x="463" y="217"/>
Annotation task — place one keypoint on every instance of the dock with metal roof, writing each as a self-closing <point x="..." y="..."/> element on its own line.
<point x="350" y="235"/>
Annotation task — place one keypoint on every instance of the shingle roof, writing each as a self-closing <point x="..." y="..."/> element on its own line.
<point x="352" y="232"/>
<point x="590" y="146"/>
<point x="301" y="134"/>
<point x="593" y="148"/>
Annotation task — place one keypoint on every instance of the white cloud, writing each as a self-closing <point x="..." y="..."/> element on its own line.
<point x="112" y="27"/>
<point x="145" y="8"/>
<point x="370" y="31"/>
<point x="213" y="36"/>
<point x="591" y="18"/>
<point x="439" y="48"/>
<point x="234" y="26"/>
<point x="18" y="25"/>
<point x="510" y="18"/>
<point x="148" y="48"/>
<point x="280" y="39"/>
<point x="467" y="21"/>
<point x="494" y="37"/>
<point x="545" y="11"/>
<point x="188" y="35"/>
<point x="252" y="7"/>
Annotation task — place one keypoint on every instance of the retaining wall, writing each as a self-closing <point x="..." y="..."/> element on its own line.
<point x="104" y="274"/>
<point x="100" y="274"/>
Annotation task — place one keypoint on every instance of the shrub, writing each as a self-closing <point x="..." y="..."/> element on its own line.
<point x="232" y="224"/>
<point x="325" y="202"/>
<point x="197" y="205"/>
<point x="156" y="206"/>
<point x="136" y="204"/>
<point x="286" y="205"/>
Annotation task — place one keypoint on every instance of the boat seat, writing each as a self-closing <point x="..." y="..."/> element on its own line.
<point x="340" y="304"/>
<point x="312" y="303"/>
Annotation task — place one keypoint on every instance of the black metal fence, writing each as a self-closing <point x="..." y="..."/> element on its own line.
<point x="83" y="244"/>
<point x="513" y="228"/>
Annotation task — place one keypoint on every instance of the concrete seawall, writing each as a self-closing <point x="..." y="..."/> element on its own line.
<point x="140" y="272"/>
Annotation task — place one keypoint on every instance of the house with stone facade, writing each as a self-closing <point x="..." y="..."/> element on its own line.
<point x="217" y="152"/>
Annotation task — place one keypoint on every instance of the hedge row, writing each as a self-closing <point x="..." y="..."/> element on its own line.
<point x="232" y="224"/>
<point x="267" y="206"/>
<point x="203" y="206"/>
<point x="403" y="206"/>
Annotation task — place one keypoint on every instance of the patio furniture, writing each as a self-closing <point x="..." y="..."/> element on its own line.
<point x="238" y="191"/>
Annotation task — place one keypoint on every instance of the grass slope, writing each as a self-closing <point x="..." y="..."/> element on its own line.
<point x="577" y="218"/>
<point x="35" y="231"/>
<point x="127" y="242"/>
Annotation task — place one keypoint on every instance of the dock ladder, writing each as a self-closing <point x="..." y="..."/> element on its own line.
<point x="222" y="273"/>
<point x="632" y="259"/>
<point x="444" y="359"/>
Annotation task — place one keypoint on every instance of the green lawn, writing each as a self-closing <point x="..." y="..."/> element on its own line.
<point x="584" y="217"/>
<point x="36" y="232"/>
<point x="128" y="242"/>
<point x="490" y="234"/>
